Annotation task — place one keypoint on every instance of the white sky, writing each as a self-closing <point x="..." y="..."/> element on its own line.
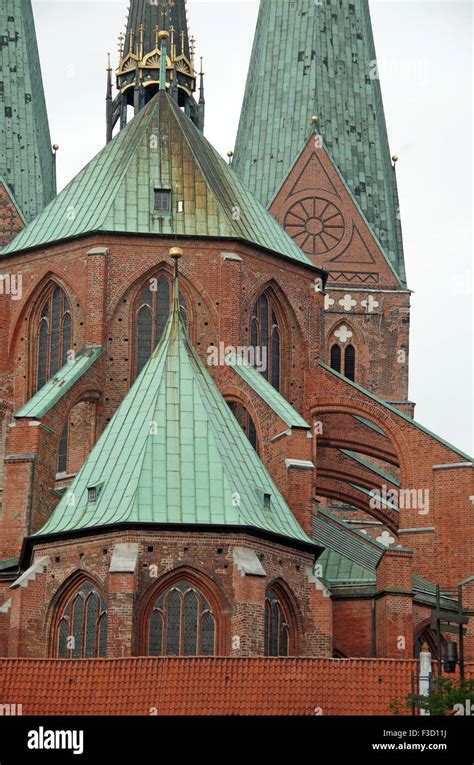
<point x="425" y="61"/>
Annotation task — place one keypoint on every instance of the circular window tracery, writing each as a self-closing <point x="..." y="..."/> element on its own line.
<point x="316" y="225"/>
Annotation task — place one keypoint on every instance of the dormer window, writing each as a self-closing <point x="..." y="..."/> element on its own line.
<point x="93" y="492"/>
<point x="267" y="502"/>
<point x="163" y="200"/>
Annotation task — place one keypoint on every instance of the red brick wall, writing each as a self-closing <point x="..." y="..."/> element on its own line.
<point x="206" y="555"/>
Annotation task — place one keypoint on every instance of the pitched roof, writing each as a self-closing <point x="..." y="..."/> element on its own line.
<point x="26" y="159"/>
<point x="159" y="149"/>
<point x="318" y="59"/>
<point x="206" y="686"/>
<point x="174" y="454"/>
<point x="350" y="556"/>
<point x="53" y="390"/>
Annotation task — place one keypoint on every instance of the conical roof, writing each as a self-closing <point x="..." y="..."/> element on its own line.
<point x="174" y="454"/>
<point x="159" y="149"/>
<point x="26" y="158"/>
<point x="313" y="58"/>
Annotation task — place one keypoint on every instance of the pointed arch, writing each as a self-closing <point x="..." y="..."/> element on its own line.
<point x="282" y="621"/>
<point x="342" y="344"/>
<point x="183" y="614"/>
<point x="78" y="624"/>
<point x="50" y="332"/>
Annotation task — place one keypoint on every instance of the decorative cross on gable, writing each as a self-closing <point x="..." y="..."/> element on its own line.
<point x="343" y="333"/>
<point x="347" y="302"/>
<point x="370" y="303"/>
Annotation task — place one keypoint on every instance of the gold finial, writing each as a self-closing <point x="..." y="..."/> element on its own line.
<point x="176" y="252"/>
<point x="314" y="119"/>
<point x="182" y="42"/>
<point x="130" y="41"/>
<point x="109" y="68"/>
<point x="163" y="35"/>
<point x="157" y="32"/>
<point x="141" y="31"/>
<point x="201" y="71"/>
<point x="173" y="46"/>
<point x="394" y="159"/>
<point x="55" y="147"/>
<point x="230" y="154"/>
<point x="192" y="47"/>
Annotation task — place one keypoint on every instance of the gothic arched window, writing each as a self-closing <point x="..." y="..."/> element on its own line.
<point x="54" y="335"/>
<point x="277" y="626"/>
<point x="81" y="629"/>
<point x="336" y="357"/>
<point x="344" y="360"/>
<point x="151" y="316"/>
<point x="349" y="362"/>
<point x="245" y="421"/>
<point x="265" y="339"/>
<point x="182" y="623"/>
<point x="63" y="447"/>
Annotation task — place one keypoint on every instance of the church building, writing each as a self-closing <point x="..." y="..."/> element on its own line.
<point x="206" y="442"/>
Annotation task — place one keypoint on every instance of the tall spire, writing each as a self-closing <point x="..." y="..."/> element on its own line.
<point x="26" y="158"/>
<point x="145" y="68"/>
<point x="319" y="58"/>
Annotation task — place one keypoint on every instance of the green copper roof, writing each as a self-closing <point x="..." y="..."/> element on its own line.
<point x="318" y="58"/>
<point x="394" y="410"/>
<point x="26" y="160"/>
<point x="349" y="555"/>
<point x="174" y="453"/>
<point x="57" y="386"/>
<point x="267" y="392"/>
<point x="159" y="149"/>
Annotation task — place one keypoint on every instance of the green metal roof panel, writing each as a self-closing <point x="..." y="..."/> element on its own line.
<point x="267" y="392"/>
<point x="369" y="466"/>
<point x="337" y="569"/>
<point x="26" y="159"/>
<point x="318" y="58"/>
<point x="174" y="453"/>
<point x="52" y="391"/>
<point x="392" y="409"/>
<point x="337" y="535"/>
<point x="160" y="148"/>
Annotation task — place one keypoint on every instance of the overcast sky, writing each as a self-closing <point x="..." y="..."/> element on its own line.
<point x="424" y="51"/>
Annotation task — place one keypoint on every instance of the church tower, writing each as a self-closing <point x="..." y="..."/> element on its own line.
<point x="27" y="177"/>
<point x="312" y="145"/>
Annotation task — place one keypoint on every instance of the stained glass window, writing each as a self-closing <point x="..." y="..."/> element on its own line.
<point x="82" y="626"/>
<point x="265" y="339"/>
<point x="151" y="316"/>
<point x="182" y="623"/>
<point x="54" y="335"/>
<point x="276" y="628"/>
